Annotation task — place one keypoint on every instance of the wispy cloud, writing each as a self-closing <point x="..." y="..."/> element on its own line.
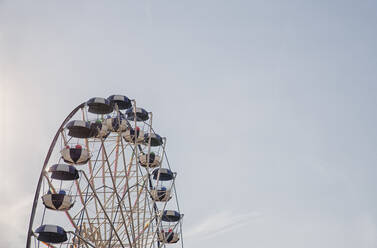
<point x="220" y="223"/>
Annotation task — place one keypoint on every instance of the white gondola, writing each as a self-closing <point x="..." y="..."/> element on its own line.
<point x="60" y="201"/>
<point x="99" y="129"/>
<point x="116" y="124"/>
<point x="154" y="160"/>
<point x="75" y="155"/>
<point x="161" y="194"/>
<point x="129" y="136"/>
<point x="168" y="237"/>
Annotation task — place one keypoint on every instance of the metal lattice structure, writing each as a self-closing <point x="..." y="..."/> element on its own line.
<point x="106" y="182"/>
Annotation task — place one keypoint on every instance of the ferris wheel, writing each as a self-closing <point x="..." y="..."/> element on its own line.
<point x="106" y="182"/>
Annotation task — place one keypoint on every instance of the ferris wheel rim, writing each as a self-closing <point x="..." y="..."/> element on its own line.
<point x="47" y="158"/>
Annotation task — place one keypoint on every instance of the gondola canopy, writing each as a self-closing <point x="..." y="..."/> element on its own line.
<point x="171" y="216"/>
<point x="155" y="139"/>
<point x="51" y="234"/>
<point x="141" y="114"/>
<point x="99" y="105"/>
<point x="163" y="174"/>
<point x="64" y="172"/>
<point x="122" y="101"/>
<point x="79" y="129"/>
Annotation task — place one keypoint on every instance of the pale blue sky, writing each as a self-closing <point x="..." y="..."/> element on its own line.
<point x="268" y="106"/>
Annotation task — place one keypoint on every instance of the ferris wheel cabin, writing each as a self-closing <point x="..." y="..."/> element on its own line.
<point x="79" y="129"/>
<point x="168" y="237"/>
<point x="121" y="101"/>
<point x="75" y="155"/>
<point x="64" y="172"/>
<point x="155" y="139"/>
<point x="60" y="201"/>
<point x="99" y="129"/>
<point x="51" y="234"/>
<point x="154" y="160"/>
<point x="134" y="135"/>
<point x="99" y="105"/>
<point x="160" y="194"/>
<point x="163" y="174"/>
<point x="141" y="114"/>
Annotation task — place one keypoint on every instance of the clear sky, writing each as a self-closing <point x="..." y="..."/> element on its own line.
<point x="269" y="108"/>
